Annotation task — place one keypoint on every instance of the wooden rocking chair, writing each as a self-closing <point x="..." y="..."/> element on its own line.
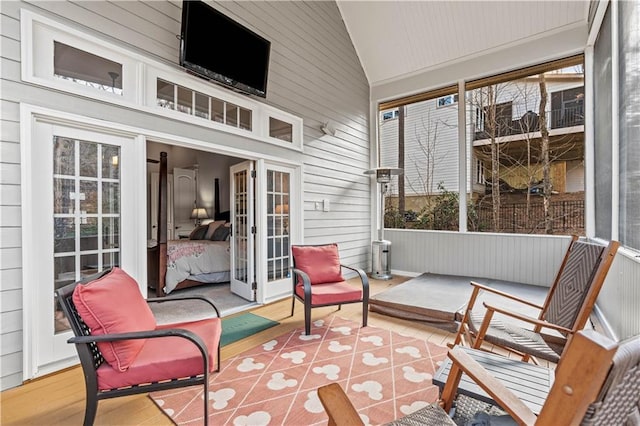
<point x="566" y="309"/>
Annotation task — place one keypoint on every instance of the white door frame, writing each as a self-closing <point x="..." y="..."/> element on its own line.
<point x="29" y="115"/>
<point x="45" y="351"/>
<point x="268" y="292"/>
<point x="243" y="289"/>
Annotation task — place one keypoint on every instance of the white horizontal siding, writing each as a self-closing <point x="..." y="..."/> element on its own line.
<point x="314" y="74"/>
<point x="528" y="259"/>
<point x="620" y="294"/>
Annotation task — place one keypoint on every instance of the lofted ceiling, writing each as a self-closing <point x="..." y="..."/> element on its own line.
<point x="397" y="39"/>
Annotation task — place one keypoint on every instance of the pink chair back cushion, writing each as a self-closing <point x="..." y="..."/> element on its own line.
<point x="166" y="358"/>
<point x="321" y="263"/>
<point x="114" y="304"/>
<point x="332" y="293"/>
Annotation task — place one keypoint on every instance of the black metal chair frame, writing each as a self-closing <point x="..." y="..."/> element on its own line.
<point x="307" y="293"/>
<point x="91" y="358"/>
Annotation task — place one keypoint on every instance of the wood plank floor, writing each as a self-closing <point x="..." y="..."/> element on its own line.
<point x="59" y="399"/>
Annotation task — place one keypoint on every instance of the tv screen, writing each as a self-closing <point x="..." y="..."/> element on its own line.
<point x="216" y="47"/>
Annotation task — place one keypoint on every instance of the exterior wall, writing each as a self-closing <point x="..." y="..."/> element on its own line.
<point x="314" y="74"/>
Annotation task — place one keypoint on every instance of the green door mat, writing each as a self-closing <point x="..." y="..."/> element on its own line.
<point x="241" y="326"/>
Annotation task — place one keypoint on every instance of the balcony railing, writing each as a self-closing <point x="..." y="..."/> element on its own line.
<point x="557" y="119"/>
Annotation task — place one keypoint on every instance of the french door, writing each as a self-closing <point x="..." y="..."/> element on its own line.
<point x="278" y="189"/>
<point x="242" y="212"/>
<point x="78" y="197"/>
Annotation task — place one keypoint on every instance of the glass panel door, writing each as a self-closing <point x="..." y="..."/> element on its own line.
<point x="76" y="186"/>
<point x="242" y="228"/>
<point x="277" y="225"/>
<point x="86" y="211"/>
<point x="278" y="196"/>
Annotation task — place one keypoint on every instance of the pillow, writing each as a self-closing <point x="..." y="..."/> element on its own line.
<point x="199" y="232"/>
<point x="321" y="263"/>
<point x="221" y="233"/>
<point x="114" y="304"/>
<point x="212" y="227"/>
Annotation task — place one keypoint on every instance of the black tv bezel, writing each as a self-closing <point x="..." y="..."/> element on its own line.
<point x="204" y="72"/>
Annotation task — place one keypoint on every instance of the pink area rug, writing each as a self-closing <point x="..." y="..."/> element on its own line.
<point x="385" y="374"/>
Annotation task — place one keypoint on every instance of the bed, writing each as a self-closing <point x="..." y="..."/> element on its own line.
<point x="201" y="259"/>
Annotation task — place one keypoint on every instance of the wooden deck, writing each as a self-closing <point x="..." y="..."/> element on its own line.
<point x="59" y="399"/>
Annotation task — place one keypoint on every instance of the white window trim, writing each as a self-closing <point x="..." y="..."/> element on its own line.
<point x="139" y="80"/>
<point x="453" y="100"/>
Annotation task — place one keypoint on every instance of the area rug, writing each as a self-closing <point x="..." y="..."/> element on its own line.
<point x="386" y="375"/>
<point x="243" y="325"/>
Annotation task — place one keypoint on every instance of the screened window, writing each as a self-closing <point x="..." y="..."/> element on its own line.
<point x="423" y="142"/>
<point x="524" y="132"/>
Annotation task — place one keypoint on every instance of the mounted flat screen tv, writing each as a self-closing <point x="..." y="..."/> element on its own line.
<point x="218" y="48"/>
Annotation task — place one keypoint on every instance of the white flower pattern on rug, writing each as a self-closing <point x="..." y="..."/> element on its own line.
<point x="410" y="350"/>
<point x="384" y="373"/>
<point x="220" y="399"/>
<point x="336" y="347"/>
<point x="313" y="404"/>
<point x="249" y="365"/>
<point x="259" y="418"/>
<point x="413" y="376"/>
<point x="372" y="388"/>
<point x="278" y="382"/>
<point x="330" y="371"/>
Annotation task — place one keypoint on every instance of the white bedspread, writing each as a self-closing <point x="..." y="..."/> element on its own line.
<point x="194" y="257"/>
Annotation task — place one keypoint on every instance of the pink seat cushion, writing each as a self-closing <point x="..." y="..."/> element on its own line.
<point x="114" y="304"/>
<point x="321" y="263"/>
<point x="331" y="293"/>
<point x="166" y="357"/>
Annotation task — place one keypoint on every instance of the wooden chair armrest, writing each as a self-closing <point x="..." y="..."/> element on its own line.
<point x="498" y="392"/>
<point x="504" y="294"/>
<point x="338" y="406"/>
<point x="526" y="318"/>
<point x="176" y="298"/>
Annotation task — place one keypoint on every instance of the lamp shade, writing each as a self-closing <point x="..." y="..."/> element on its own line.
<point x="199" y="213"/>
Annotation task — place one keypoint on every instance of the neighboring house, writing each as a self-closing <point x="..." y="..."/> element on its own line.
<point x="431" y="138"/>
<point x="140" y="95"/>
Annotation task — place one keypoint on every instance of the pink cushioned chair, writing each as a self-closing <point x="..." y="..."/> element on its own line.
<point x="124" y="352"/>
<point x="317" y="281"/>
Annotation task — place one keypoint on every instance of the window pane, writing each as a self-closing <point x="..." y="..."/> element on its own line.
<point x="602" y="127"/>
<point x="64" y="155"/>
<point x="88" y="159"/>
<point x="217" y="110"/>
<point x="280" y="129"/>
<point x="110" y="197"/>
<point x="185" y="100"/>
<point x="110" y="162"/>
<point x="423" y="141"/>
<point x="629" y="123"/>
<point x="64" y="239"/>
<point x="65" y="189"/>
<point x="202" y="105"/>
<point x="232" y="115"/>
<point x="527" y="138"/>
<point x="166" y="94"/>
<point x="245" y="119"/>
<point x="86" y="68"/>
